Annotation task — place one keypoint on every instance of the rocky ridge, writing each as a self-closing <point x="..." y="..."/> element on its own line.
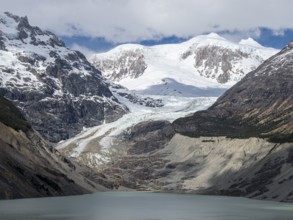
<point x="131" y="63"/>
<point x="59" y="91"/>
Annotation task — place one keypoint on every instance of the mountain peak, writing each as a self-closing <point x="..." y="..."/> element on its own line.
<point x="215" y="35"/>
<point x="16" y="17"/>
<point x="250" y="42"/>
<point x="38" y="69"/>
<point x="10" y="20"/>
<point x="14" y="27"/>
<point x="206" y="37"/>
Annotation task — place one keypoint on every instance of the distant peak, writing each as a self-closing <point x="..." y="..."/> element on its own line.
<point x="15" y="17"/>
<point x="215" y="35"/>
<point x="11" y="20"/>
<point x="250" y="42"/>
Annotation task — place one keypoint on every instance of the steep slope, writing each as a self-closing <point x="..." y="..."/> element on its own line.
<point x="261" y="104"/>
<point x="31" y="168"/>
<point x="250" y="167"/>
<point x="204" y="66"/>
<point x="59" y="91"/>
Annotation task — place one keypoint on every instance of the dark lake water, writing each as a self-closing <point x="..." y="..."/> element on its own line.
<point x="143" y="206"/>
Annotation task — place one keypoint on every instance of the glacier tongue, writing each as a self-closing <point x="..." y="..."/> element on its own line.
<point x="96" y="146"/>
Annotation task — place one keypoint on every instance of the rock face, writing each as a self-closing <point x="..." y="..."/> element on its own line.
<point x="260" y="105"/>
<point x="249" y="167"/>
<point x="59" y="91"/>
<point x="221" y="66"/>
<point x="130" y="64"/>
<point x="29" y="166"/>
<point x="203" y="63"/>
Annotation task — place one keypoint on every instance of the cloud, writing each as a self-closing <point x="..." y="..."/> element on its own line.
<point x="86" y="51"/>
<point x="136" y="20"/>
<point x="237" y="35"/>
<point x="279" y="32"/>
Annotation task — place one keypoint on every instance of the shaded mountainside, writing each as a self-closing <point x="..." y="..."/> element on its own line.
<point x="260" y="105"/>
<point x="59" y="91"/>
<point x="29" y="166"/>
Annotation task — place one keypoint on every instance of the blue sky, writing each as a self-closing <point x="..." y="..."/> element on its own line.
<point x="266" y="37"/>
<point x="101" y="45"/>
<point x="270" y="39"/>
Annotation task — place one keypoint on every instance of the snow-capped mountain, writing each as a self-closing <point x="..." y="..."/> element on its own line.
<point x="59" y="91"/>
<point x="203" y="66"/>
<point x="240" y="146"/>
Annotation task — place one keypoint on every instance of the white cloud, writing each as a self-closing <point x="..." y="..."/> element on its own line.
<point x="86" y="51"/>
<point x="279" y="32"/>
<point x="133" y="20"/>
<point x="238" y="35"/>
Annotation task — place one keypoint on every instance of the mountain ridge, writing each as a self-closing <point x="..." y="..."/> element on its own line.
<point x="204" y="62"/>
<point x="260" y="105"/>
<point x="59" y="91"/>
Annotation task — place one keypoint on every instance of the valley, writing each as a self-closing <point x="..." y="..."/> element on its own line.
<point x="205" y="116"/>
<point x="237" y="146"/>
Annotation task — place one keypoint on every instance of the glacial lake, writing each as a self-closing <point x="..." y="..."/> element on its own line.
<point x="143" y="206"/>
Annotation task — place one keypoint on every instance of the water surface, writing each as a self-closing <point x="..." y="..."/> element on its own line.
<point x="143" y="206"/>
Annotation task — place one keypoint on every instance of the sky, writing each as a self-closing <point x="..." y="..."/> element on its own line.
<point x="99" y="25"/>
